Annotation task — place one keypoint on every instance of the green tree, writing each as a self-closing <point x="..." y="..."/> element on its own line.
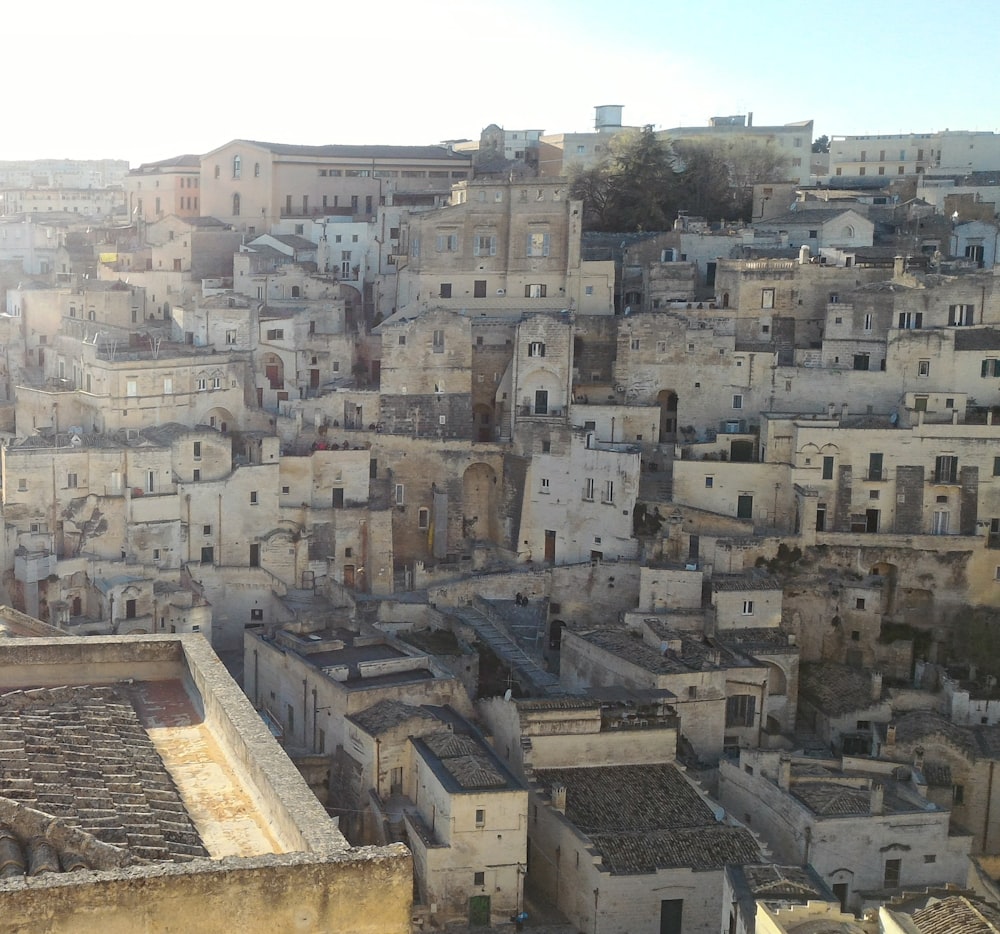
<point x="635" y="188"/>
<point x="821" y="144"/>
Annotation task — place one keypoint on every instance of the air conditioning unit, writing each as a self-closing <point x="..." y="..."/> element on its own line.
<point x="501" y="291"/>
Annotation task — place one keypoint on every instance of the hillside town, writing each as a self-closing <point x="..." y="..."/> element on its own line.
<point x="394" y="541"/>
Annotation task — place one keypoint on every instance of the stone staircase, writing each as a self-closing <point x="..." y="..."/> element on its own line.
<point x="528" y="671"/>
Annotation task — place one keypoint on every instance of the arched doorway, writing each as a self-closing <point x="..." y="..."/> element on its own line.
<point x="220" y="419"/>
<point x="479" y="489"/>
<point x="666" y="399"/>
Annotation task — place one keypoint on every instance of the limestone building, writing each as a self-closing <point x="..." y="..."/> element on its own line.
<point x="118" y="823"/>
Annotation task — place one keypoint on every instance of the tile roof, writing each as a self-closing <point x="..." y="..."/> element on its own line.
<point x="621" y="643"/>
<point x="82" y="755"/>
<point x="733" y="583"/>
<point x="770" y="881"/>
<point x="641" y="818"/>
<point x="957" y="915"/>
<point x="362" y="152"/>
<point x="836" y="689"/>
<point x="466" y="761"/>
<point x="386" y="714"/>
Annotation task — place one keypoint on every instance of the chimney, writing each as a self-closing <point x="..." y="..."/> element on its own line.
<point x="890" y="735"/>
<point x="785" y="773"/>
<point x="918" y="758"/>
<point x="830" y="409"/>
<point x="876" y="686"/>
<point x="804" y="254"/>
<point x="749" y="118"/>
<point x="558" y="796"/>
<point x="898" y="266"/>
<point x="843" y="410"/>
<point x="877" y="799"/>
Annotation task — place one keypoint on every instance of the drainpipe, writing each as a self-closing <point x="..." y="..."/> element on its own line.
<point x="305" y="710"/>
<point x="989" y="801"/>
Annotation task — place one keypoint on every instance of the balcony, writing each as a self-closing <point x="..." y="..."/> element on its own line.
<point x="877" y="476"/>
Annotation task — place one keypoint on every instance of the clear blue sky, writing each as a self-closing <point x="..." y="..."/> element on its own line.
<point x="144" y="82"/>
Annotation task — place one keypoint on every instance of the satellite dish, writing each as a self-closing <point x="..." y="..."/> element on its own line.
<point x="507" y="695"/>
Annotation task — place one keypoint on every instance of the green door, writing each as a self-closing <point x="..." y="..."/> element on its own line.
<point x="479" y="910"/>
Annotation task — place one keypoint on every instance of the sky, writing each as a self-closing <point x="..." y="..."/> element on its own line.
<point x="144" y="82"/>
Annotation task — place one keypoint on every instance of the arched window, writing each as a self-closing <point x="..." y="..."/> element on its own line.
<point x="237" y="166"/>
<point x="236" y="205"/>
<point x="848" y="231"/>
<point x="295" y="291"/>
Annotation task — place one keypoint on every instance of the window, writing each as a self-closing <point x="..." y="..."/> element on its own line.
<point x="536" y="349"/>
<point x="276" y="334"/>
<point x="71" y="480"/>
<point x="634" y="343"/>
<point x="923" y="368"/>
<point x="206" y="530"/>
<point x="957" y="794"/>
<point x="253" y="497"/>
<point x="479" y="288"/>
<point x="545" y="484"/>
<point x="990" y="367"/>
<point x="588" y="489"/>
<point x="202" y="384"/>
<point x="399" y="494"/>
<point x="447" y="243"/>
<point x="609" y="492"/>
<point x="961" y="314"/>
<point x="737" y="401"/>
<point x="868" y="322"/>
<point x="485" y="245"/>
<point x="538" y="244"/>
<point x="438" y="341"/>
<point x="535" y="290"/>
<point x="196" y="475"/>
<point x="946" y="469"/>
<point x="767" y="298"/>
<point x="480" y="817"/>
<point x="236" y="205"/>
<point x="216" y="382"/>
<point x="740" y="710"/>
<point x="911" y="320"/>
<point x="131" y="388"/>
<point x="748" y="607"/>
<point x="709" y="482"/>
<point x="423" y="518"/>
<point x="237" y="166"/>
<point x="256" y="615"/>
<point x="479" y="878"/>
<point x="891" y="877"/>
<point x="588" y="290"/>
<point x="444" y="290"/>
<point x="875" y="471"/>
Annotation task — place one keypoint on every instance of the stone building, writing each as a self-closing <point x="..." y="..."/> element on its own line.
<point x="502" y="247"/>
<point x="957" y="765"/>
<point x="156" y="190"/>
<point x="252" y="185"/>
<point x="865" y="832"/>
<point x="156" y="724"/>
<point x="627" y="847"/>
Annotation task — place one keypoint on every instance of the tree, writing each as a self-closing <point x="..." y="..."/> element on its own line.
<point x="635" y="188"/>
<point x="822" y="144"/>
<point x="719" y="174"/>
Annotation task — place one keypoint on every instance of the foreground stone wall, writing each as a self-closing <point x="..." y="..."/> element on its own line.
<point x="368" y="892"/>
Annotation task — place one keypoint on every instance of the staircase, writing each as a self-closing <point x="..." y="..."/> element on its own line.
<point x="528" y="671"/>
